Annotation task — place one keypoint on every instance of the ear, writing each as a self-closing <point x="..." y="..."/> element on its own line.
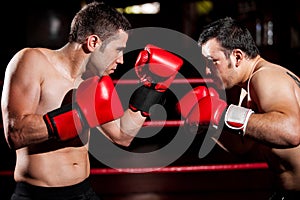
<point x="92" y="42"/>
<point x="238" y="56"/>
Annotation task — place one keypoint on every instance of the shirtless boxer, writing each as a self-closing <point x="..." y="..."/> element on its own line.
<point x="267" y="120"/>
<point x="51" y="137"/>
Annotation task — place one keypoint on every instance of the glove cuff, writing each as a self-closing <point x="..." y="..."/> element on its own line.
<point x="62" y="124"/>
<point x="143" y="98"/>
<point x="237" y="117"/>
<point x="50" y="122"/>
<point x="52" y="131"/>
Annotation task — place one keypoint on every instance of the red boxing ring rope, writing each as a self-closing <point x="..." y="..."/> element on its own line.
<point x="172" y="169"/>
<point x="175" y="81"/>
<point x="167" y="123"/>
<point x="176" y="169"/>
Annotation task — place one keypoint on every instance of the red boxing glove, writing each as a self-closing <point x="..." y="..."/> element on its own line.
<point x="187" y="102"/>
<point x="211" y="110"/>
<point x="96" y="102"/>
<point x="156" y="68"/>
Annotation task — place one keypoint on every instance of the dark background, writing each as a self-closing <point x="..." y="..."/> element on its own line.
<point x="26" y="24"/>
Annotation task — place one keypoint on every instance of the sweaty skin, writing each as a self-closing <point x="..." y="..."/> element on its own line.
<point x="36" y="82"/>
<point x="273" y="92"/>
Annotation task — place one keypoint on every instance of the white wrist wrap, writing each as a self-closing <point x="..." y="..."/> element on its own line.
<point x="237" y="117"/>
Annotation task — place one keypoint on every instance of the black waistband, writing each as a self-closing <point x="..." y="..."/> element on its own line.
<point x="73" y="190"/>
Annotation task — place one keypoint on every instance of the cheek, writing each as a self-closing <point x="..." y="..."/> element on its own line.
<point x="216" y="70"/>
<point x="109" y="56"/>
<point x="106" y="57"/>
<point x="96" y="57"/>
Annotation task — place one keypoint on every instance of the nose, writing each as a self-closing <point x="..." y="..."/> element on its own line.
<point x="207" y="71"/>
<point x="120" y="59"/>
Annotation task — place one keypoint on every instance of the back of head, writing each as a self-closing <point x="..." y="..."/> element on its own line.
<point x="99" y="19"/>
<point x="231" y="34"/>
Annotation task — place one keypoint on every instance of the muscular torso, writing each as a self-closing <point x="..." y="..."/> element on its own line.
<point x="53" y="163"/>
<point x="62" y="167"/>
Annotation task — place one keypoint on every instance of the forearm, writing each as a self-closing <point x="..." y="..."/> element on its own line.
<point x="23" y="131"/>
<point x="131" y="122"/>
<point x="123" y="130"/>
<point x="274" y="129"/>
<point x="234" y="143"/>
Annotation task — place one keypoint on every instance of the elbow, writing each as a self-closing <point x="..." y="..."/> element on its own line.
<point x="13" y="141"/>
<point x="294" y="136"/>
<point x="123" y="139"/>
<point x="14" y="136"/>
<point x="294" y="141"/>
<point x="13" y="145"/>
<point x="124" y="143"/>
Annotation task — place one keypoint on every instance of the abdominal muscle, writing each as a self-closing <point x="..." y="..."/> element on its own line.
<point x="62" y="167"/>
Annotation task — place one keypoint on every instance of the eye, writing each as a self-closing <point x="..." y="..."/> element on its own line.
<point x="120" y="49"/>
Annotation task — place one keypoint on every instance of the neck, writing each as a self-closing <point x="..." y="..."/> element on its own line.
<point x="73" y="60"/>
<point x="252" y="66"/>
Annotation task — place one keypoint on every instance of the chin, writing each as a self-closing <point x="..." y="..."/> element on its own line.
<point x="221" y="86"/>
<point x="111" y="71"/>
<point x="105" y="73"/>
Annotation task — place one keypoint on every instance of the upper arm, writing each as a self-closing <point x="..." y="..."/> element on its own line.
<point x="278" y="114"/>
<point x="21" y="89"/>
<point x="274" y="93"/>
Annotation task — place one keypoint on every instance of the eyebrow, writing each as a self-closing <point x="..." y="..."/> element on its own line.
<point x="121" y="48"/>
<point x="209" y="57"/>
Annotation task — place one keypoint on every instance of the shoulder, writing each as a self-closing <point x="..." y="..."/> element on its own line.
<point x="28" y="66"/>
<point x="269" y="74"/>
<point x="270" y="84"/>
<point x="28" y="52"/>
<point x="28" y="59"/>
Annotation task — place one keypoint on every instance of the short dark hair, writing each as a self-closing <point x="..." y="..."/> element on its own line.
<point x="99" y="19"/>
<point x="231" y="34"/>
